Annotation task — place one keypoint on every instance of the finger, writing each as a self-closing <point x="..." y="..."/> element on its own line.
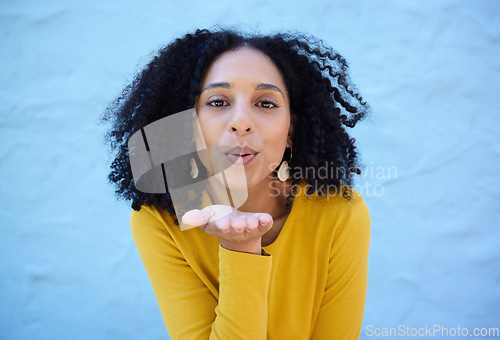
<point x="223" y="224"/>
<point x="238" y="223"/>
<point x="252" y="223"/>
<point x="265" y="219"/>
<point x="193" y="217"/>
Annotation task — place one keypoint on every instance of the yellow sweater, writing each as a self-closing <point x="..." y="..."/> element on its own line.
<point x="309" y="284"/>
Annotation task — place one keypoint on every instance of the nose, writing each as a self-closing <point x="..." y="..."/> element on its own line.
<point x="241" y="122"/>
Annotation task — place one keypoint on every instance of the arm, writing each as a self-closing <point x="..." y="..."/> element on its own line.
<point x="189" y="309"/>
<point x="342" y="308"/>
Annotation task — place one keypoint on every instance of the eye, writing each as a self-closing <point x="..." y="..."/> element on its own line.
<point x="267" y="104"/>
<point x="217" y="103"/>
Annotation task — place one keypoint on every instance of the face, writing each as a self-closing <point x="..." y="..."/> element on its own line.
<point x="243" y="105"/>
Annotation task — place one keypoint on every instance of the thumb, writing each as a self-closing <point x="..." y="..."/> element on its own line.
<point x="208" y="214"/>
<point x="197" y="217"/>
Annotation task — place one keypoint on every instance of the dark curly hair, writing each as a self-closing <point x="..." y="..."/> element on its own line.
<point x="316" y="78"/>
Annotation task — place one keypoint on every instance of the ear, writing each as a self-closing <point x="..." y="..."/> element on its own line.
<point x="291" y="129"/>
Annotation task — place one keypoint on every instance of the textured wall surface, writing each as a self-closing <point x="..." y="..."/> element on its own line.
<point x="430" y="70"/>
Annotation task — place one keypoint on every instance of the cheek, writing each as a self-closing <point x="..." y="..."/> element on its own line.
<point x="278" y="131"/>
<point x="210" y="130"/>
<point x="207" y="135"/>
<point x="277" y="140"/>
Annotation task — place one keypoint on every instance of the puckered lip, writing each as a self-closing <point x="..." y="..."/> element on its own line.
<point x="241" y="150"/>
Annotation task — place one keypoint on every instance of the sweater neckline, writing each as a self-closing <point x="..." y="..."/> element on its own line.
<point x="285" y="226"/>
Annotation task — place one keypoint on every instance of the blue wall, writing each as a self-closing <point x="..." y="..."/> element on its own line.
<point x="430" y="69"/>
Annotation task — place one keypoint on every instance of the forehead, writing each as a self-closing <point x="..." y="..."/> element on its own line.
<point x="244" y="64"/>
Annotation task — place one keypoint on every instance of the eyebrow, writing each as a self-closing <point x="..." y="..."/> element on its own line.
<point x="261" y="86"/>
<point x="216" y="85"/>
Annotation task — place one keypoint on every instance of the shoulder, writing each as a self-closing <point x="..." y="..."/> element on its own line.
<point x="334" y="201"/>
<point x="151" y="214"/>
<point x="153" y="225"/>
<point x="151" y="221"/>
<point x="333" y="213"/>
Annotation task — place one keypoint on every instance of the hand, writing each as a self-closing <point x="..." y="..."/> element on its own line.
<point x="238" y="231"/>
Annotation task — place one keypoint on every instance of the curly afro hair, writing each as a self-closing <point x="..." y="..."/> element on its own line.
<point x="316" y="78"/>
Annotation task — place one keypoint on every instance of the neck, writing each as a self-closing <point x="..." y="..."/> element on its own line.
<point x="268" y="196"/>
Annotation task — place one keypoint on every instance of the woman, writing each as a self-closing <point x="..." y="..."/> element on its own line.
<point x="291" y="261"/>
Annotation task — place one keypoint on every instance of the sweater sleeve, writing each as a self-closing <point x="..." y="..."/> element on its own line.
<point x="342" y="307"/>
<point x="189" y="309"/>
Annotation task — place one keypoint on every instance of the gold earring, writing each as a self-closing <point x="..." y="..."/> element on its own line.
<point x="194" y="168"/>
<point x="284" y="169"/>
